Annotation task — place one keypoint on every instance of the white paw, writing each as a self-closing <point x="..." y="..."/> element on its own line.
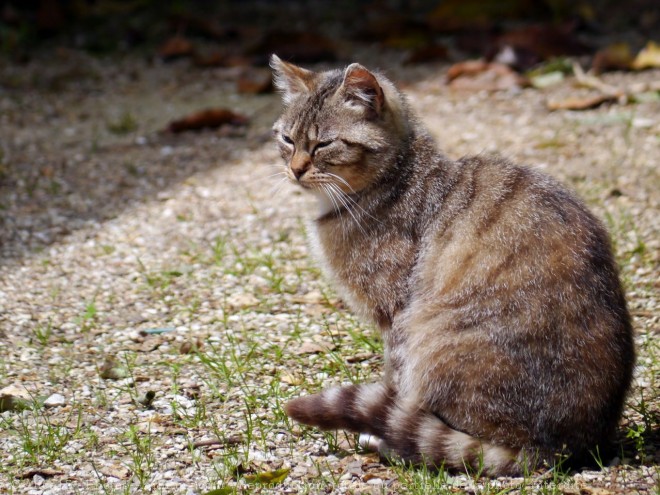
<point x="370" y="443"/>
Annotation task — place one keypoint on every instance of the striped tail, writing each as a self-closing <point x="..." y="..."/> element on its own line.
<point x="411" y="434"/>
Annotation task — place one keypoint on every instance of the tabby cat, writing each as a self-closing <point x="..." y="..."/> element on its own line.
<point x="506" y="334"/>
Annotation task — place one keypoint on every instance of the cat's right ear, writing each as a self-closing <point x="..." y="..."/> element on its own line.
<point x="290" y="79"/>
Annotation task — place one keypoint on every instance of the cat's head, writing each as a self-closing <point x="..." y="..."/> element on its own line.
<point x="341" y="130"/>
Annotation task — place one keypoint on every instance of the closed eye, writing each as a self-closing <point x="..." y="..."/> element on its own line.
<point x="287" y="139"/>
<point x="320" y="145"/>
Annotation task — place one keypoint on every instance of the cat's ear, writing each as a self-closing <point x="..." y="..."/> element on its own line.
<point x="290" y="79"/>
<point x="361" y="87"/>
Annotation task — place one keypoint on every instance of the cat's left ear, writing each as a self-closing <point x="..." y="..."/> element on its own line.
<point x="290" y="79"/>
<point x="361" y="87"/>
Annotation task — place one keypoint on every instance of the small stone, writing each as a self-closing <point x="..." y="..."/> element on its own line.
<point x="55" y="400"/>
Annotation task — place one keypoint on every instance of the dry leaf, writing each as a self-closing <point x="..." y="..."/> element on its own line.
<point x="268" y="477"/>
<point x="648" y="58"/>
<point x="581" y="103"/>
<point x="587" y="490"/>
<point x="116" y="471"/>
<point x="210" y="118"/>
<point x="478" y="75"/>
<point x="616" y="56"/>
<point x="176" y="46"/>
<point x="44" y="472"/>
<point x="361" y="356"/>
<point x="255" y="81"/>
<point x="314" y="348"/>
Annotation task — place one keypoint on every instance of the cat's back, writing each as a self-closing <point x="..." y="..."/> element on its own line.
<point x="516" y="285"/>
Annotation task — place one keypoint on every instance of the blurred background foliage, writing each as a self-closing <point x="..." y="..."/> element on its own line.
<point x="242" y="31"/>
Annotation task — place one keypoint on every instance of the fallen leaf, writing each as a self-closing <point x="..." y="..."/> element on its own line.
<point x="213" y="442"/>
<point x="220" y="59"/>
<point x="648" y="57"/>
<point x="582" y="103"/>
<point x="210" y="118"/>
<point x="479" y="75"/>
<point x="361" y="356"/>
<point x="268" y="477"/>
<point x="45" y="472"/>
<point x="587" y="490"/>
<point x="175" y="47"/>
<point x="616" y="56"/>
<point x="116" y="471"/>
<point x="313" y="348"/>
<point x="255" y="81"/>
<point x="227" y="490"/>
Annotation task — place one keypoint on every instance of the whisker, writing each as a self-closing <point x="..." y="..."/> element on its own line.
<point x="328" y="190"/>
<point x="341" y="197"/>
<point x="349" y="198"/>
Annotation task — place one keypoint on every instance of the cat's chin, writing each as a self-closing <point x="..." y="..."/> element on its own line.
<point x="325" y="203"/>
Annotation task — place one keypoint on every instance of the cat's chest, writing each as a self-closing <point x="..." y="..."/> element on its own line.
<point x="370" y="270"/>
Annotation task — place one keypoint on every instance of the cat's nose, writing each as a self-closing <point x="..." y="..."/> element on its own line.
<point x="300" y="163"/>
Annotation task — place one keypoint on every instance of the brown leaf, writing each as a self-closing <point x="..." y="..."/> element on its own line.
<point x="220" y="58"/>
<point x="210" y="118"/>
<point x="582" y="103"/>
<point x="44" y="472"/>
<point x="314" y="348"/>
<point x="359" y="357"/>
<point x="116" y="471"/>
<point x="175" y="47"/>
<point x="478" y="75"/>
<point x="587" y="490"/>
<point x="255" y="81"/>
<point x="616" y="56"/>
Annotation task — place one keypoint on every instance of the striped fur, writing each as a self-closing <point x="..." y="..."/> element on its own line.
<point x="506" y="333"/>
<point x="406" y="433"/>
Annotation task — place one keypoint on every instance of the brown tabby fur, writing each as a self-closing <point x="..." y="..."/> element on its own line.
<point x="507" y="338"/>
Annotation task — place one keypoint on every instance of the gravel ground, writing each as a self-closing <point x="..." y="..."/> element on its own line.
<point x="155" y="289"/>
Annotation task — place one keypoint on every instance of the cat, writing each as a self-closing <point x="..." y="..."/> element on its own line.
<point x="507" y="341"/>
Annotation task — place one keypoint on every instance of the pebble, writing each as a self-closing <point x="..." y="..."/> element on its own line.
<point x="55" y="400"/>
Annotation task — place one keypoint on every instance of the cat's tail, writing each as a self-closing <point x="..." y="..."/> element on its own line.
<point x="411" y="434"/>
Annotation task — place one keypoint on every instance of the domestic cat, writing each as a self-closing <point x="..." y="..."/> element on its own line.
<point x="506" y="334"/>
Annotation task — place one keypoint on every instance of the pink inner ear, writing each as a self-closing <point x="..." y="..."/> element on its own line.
<point x="363" y="84"/>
